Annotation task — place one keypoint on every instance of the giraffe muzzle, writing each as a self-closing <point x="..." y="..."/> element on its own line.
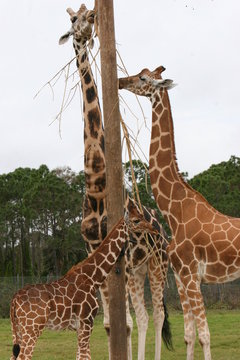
<point x="123" y="83"/>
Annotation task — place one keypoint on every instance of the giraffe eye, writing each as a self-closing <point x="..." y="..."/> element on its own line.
<point x="73" y="19"/>
<point x="143" y="78"/>
<point x="136" y="221"/>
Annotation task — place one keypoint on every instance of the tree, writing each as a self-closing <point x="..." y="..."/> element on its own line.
<point x="220" y="185"/>
<point x="40" y="217"/>
<point x="57" y="204"/>
<point x="15" y="220"/>
<point x="142" y="179"/>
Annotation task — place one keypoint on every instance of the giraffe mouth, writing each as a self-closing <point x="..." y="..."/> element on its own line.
<point x="122" y="83"/>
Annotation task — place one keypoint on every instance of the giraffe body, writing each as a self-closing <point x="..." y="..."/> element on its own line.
<point x="143" y="259"/>
<point x="70" y="302"/>
<point x="205" y="244"/>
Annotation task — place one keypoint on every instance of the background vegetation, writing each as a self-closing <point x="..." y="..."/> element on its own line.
<point x="40" y="217"/>
<point x="41" y="212"/>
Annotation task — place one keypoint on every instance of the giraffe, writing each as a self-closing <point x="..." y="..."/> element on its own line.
<point x="205" y="244"/>
<point x="144" y="259"/>
<point x="70" y="302"/>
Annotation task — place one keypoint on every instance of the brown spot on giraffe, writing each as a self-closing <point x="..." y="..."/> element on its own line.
<point x="192" y="228"/>
<point x="90" y="94"/>
<point x="86" y="76"/>
<point x="165" y="141"/>
<point x="94" y="122"/>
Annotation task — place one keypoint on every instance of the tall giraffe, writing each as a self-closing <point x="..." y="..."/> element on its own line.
<point x="145" y="260"/>
<point x="205" y="244"/>
<point x="70" y="302"/>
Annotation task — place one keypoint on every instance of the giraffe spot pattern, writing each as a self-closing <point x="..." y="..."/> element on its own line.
<point x="102" y="143"/>
<point x="98" y="163"/>
<point x="91" y="231"/>
<point x="104" y="227"/>
<point x="86" y="76"/>
<point x="138" y="255"/>
<point x="94" y="122"/>
<point x="91" y="94"/>
<point x="84" y="57"/>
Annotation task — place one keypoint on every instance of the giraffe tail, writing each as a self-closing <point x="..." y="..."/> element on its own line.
<point x="16" y="350"/>
<point x="166" y="330"/>
<point x="16" y="346"/>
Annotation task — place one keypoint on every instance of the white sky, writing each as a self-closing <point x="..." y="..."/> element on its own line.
<point x="196" y="40"/>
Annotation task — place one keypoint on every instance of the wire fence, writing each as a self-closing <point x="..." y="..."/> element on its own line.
<point x="217" y="296"/>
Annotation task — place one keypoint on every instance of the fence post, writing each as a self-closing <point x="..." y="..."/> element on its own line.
<point x="113" y="151"/>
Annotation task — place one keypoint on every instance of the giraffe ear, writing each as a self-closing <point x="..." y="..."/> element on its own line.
<point x="64" y="38"/>
<point x="71" y="12"/>
<point x="168" y="84"/>
<point x="158" y="71"/>
<point x="165" y="83"/>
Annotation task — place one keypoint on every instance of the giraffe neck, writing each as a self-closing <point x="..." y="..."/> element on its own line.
<point x="99" y="264"/>
<point x="168" y="185"/>
<point x="94" y="158"/>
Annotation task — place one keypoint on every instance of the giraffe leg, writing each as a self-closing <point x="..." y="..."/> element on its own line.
<point x="83" y="334"/>
<point x="157" y="281"/>
<point x="129" y="326"/>
<point x="189" y="322"/>
<point x="198" y="309"/>
<point x="136" y="288"/>
<point x="193" y="291"/>
<point x="105" y="304"/>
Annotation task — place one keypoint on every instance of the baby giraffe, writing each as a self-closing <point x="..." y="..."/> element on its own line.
<point x="70" y="302"/>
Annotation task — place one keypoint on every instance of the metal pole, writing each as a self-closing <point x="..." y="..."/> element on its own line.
<point x="117" y="306"/>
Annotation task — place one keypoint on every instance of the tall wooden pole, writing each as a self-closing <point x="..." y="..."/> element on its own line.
<point x="117" y="306"/>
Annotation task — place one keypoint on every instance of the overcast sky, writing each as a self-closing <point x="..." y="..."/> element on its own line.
<point x="196" y="40"/>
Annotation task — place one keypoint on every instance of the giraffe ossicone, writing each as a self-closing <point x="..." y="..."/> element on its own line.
<point x="205" y="245"/>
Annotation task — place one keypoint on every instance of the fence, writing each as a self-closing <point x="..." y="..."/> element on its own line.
<point x="215" y="296"/>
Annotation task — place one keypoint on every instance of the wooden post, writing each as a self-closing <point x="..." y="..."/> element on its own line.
<point x="117" y="306"/>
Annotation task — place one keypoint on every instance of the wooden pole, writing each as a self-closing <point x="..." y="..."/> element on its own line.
<point x="117" y="306"/>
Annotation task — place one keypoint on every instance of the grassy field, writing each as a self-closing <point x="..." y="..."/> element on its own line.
<point x="224" y="328"/>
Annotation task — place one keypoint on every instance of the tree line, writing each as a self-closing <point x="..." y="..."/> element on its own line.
<point x="41" y="212"/>
<point x="40" y="217"/>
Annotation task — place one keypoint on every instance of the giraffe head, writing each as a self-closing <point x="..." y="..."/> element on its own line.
<point x="146" y="82"/>
<point x="136" y="220"/>
<point x="82" y="24"/>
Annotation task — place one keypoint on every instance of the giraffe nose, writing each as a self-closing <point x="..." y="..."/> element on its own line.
<point x="120" y="83"/>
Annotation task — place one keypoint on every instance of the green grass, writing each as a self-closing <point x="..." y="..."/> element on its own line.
<point x="224" y="327"/>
